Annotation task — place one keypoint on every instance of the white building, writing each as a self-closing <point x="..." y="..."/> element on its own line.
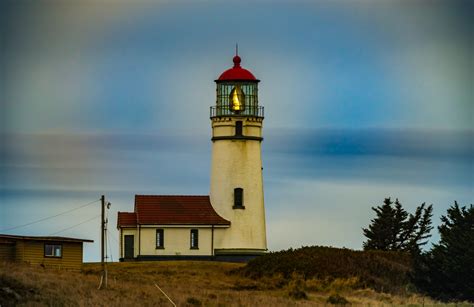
<point x="230" y="222"/>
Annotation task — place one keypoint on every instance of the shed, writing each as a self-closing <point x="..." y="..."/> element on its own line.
<point x="48" y="251"/>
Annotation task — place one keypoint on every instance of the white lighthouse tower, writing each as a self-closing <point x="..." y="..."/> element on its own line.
<point x="236" y="189"/>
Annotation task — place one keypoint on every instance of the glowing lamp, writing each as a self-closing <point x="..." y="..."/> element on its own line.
<point x="237" y="99"/>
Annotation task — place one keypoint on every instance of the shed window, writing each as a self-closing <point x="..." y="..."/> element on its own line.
<point x="194" y="238"/>
<point x="238" y="128"/>
<point x="160" y="238"/>
<point x="53" y="250"/>
<point x="238" y="198"/>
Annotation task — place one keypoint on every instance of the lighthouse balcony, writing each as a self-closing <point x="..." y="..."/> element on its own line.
<point x="226" y="111"/>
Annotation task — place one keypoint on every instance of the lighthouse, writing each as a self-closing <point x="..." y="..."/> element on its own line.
<point x="236" y="187"/>
<point x="228" y="224"/>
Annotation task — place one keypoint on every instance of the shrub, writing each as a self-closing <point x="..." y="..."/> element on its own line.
<point x="243" y="287"/>
<point x="13" y="292"/>
<point x="337" y="299"/>
<point x="297" y="287"/>
<point x="333" y="285"/>
<point x="240" y="285"/>
<point x="340" y="284"/>
<point x="193" y="301"/>
<point x="315" y="284"/>
<point x="380" y="270"/>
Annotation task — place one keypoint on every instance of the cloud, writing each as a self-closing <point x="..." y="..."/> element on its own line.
<point x="168" y="158"/>
<point x="94" y="162"/>
<point x="433" y="144"/>
<point x="429" y="158"/>
<point x="97" y="66"/>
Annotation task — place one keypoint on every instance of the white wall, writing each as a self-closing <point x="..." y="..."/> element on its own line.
<point x="176" y="240"/>
<point x="237" y="163"/>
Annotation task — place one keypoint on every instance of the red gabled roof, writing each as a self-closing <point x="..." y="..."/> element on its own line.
<point x="127" y="219"/>
<point x="171" y="210"/>
<point x="237" y="73"/>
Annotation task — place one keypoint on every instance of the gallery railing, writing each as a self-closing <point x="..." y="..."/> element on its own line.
<point x="254" y="111"/>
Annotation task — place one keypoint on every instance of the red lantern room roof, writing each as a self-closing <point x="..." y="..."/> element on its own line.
<point x="237" y="73"/>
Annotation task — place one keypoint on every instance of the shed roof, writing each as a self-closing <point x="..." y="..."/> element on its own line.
<point x="6" y="237"/>
<point x="171" y="210"/>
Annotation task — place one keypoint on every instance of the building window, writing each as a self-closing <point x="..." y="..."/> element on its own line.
<point x="238" y="198"/>
<point x="238" y="128"/>
<point x="194" y="238"/>
<point x="53" y="250"/>
<point x="160" y="238"/>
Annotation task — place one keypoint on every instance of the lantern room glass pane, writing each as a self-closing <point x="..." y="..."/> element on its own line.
<point x="237" y="98"/>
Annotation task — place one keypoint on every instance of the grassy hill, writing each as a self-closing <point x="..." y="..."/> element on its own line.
<point x="272" y="280"/>
<point x="382" y="271"/>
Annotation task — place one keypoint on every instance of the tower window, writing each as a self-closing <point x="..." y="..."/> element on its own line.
<point x="238" y="198"/>
<point x="160" y="238"/>
<point x="238" y="128"/>
<point x="194" y="239"/>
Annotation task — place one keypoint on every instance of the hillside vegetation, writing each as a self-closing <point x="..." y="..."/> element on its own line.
<point x="303" y="277"/>
<point x="382" y="271"/>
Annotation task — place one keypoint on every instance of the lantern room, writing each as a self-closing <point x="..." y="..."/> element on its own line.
<point x="237" y="93"/>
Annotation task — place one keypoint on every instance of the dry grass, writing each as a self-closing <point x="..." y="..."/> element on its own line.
<point x="188" y="283"/>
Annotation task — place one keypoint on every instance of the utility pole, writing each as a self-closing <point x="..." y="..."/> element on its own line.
<point x="103" y="279"/>
<point x="102" y="233"/>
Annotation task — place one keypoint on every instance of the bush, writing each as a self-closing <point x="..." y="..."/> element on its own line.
<point x="315" y="285"/>
<point x="337" y="299"/>
<point x="240" y="285"/>
<point x="380" y="270"/>
<point x="193" y="301"/>
<point x="340" y="284"/>
<point x="276" y="281"/>
<point x="13" y="292"/>
<point x="332" y="285"/>
<point x="297" y="287"/>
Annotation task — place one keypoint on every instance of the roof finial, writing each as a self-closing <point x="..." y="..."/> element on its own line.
<point x="236" y="58"/>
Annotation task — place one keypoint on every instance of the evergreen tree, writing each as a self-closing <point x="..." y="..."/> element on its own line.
<point x="381" y="233"/>
<point x="393" y="229"/>
<point x="447" y="270"/>
<point x="416" y="229"/>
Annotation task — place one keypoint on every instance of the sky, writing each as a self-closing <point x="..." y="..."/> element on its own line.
<point x="363" y="100"/>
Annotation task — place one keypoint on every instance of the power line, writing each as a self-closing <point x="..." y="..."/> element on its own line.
<point x="93" y="218"/>
<point x="50" y="217"/>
